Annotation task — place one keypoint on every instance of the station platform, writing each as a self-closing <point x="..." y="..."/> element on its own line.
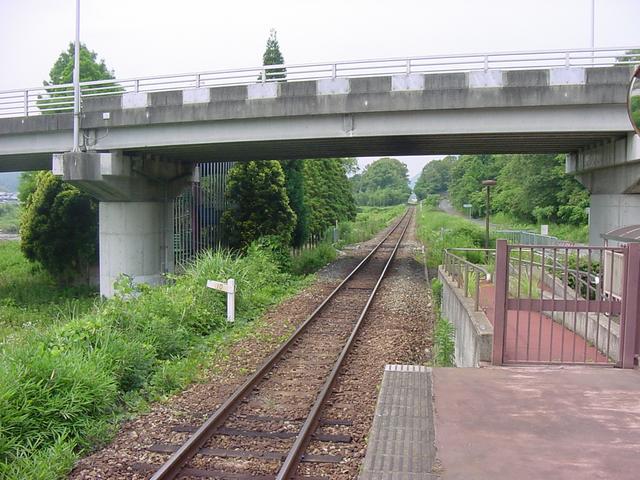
<point x="401" y="440"/>
<point x="502" y="423"/>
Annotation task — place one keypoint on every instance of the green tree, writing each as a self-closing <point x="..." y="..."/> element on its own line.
<point x="62" y="73"/>
<point x="42" y="238"/>
<point x="327" y="193"/>
<point x="59" y="229"/>
<point x="258" y="204"/>
<point x="467" y="174"/>
<point x="27" y="186"/>
<point x="273" y="56"/>
<point x="294" y="181"/>
<point x="434" y="178"/>
<point x="383" y="182"/>
<point x="530" y="188"/>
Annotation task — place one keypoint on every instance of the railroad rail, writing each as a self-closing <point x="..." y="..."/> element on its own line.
<point x="271" y="423"/>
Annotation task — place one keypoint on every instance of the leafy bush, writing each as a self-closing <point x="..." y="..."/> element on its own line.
<point x="314" y="259"/>
<point x="60" y="228"/>
<point x="431" y="200"/>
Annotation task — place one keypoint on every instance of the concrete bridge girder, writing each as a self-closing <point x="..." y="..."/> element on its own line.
<point x="611" y="173"/>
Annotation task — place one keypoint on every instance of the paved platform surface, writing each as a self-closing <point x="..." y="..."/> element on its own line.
<point x="533" y="336"/>
<point x="555" y="423"/>
<point x="401" y="441"/>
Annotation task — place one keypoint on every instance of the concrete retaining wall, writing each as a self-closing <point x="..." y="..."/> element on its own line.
<point x="474" y="332"/>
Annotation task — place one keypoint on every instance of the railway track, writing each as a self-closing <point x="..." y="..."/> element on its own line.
<point x="264" y="429"/>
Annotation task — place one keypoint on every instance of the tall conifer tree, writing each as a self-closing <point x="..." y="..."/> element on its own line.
<point x="273" y="56"/>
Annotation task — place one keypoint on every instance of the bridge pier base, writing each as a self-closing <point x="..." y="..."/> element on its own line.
<point x="611" y="173"/>
<point x="135" y="214"/>
<point x="136" y="239"/>
<point x="611" y="211"/>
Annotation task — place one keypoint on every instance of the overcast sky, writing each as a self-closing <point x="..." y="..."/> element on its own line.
<point x="147" y="37"/>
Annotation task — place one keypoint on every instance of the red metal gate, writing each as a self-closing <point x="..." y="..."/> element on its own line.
<point x="566" y="305"/>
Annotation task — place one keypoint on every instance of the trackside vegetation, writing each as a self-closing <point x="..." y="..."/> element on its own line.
<point x="530" y="188"/>
<point x="443" y="331"/>
<point x="9" y="217"/>
<point x="439" y="230"/>
<point x="64" y="385"/>
<point x="72" y="366"/>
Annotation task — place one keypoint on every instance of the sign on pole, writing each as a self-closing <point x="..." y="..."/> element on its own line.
<point x="230" y="288"/>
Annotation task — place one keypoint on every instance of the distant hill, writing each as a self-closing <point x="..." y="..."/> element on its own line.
<point x="9" y="181"/>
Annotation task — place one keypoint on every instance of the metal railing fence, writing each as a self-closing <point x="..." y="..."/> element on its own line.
<point x="197" y="212"/>
<point x="555" y="304"/>
<point x="524" y="237"/>
<point x="466" y="274"/>
<point x="59" y="98"/>
<point x="330" y="235"/>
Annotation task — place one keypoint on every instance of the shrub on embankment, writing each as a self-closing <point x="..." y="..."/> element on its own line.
<point x="62" y="387"/>
<point x="439" y="230"/>
<point x="443" y="331"/>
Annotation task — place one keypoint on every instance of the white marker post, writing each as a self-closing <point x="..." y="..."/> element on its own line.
<point x="230" y="288"/>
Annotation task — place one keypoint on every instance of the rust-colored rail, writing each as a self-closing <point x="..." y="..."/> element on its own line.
<point x="174" y="466"/>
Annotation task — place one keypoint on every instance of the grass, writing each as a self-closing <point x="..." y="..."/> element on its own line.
<point x="443" y="332"/>
<point x="64" y="384"/>
<point x="312" y="260"/>
<point x="438" y="230"/>
<point x="571" y="233"/>
<point x="369" y="221"/>
<point x="29" y="297"/>
<point x="9" y="217"/>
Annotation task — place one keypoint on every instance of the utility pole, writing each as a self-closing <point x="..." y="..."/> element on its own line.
<point x="76" y="84"/>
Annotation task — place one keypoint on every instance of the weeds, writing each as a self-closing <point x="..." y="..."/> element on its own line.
<point x="63" y="384"/>
<point x="439" y="230"/>
<point x="444" y="343"/>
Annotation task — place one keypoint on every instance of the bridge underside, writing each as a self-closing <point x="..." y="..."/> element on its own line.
<point x="382" y="146"/>
<point x="349" y="147"/>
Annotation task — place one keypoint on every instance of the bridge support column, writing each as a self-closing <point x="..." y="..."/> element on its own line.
<point x="611" y="173"/>
<point x="136" y="239"/>
<point x="136" y="215"/>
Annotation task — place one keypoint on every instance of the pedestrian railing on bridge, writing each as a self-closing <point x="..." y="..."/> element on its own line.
<point x="59" y="98"/>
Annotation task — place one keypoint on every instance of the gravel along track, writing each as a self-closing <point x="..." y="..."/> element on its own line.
<point x="394" y="331"/>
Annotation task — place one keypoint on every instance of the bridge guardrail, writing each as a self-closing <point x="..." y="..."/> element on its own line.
<point x="59" y="98"/>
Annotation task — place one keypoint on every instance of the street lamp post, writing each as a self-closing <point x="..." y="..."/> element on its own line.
<point x="76" y="83"/>
<point x="488" y="184"/>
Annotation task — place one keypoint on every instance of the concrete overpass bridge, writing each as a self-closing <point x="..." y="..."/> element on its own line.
<point x="143" y="136"/>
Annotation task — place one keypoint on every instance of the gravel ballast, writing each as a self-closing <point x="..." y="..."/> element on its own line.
<point x="396" y="331"/>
